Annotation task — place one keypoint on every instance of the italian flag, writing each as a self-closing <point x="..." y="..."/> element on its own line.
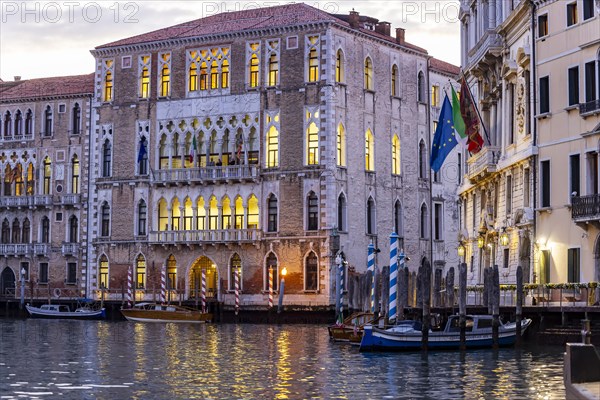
<point x="459" y="123"/>
<point x="193" y="149"/>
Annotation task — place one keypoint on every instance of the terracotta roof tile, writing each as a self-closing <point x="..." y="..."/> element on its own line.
<point x="267" y="17"/>
<point x="45" y="87"/>
<point x="445" y="67"/>
<point x="285" y="15"/>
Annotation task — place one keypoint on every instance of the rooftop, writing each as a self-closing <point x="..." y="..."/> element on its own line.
<point x="258" y="18"/>
<point x="46" y="87"/>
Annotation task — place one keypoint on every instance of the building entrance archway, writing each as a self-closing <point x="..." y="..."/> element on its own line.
<point x="195" y="278"/>
<point x="7" y="282"/>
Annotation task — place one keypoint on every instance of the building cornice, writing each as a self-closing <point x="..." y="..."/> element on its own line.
<point x="230" y="36"/>
<point x="34" y="99"/>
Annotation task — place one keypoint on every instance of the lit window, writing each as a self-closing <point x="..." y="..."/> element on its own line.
<point x="75" y="175"/>
<point x="144" y="65"/>
<point x="201" y="215"/>
<point x="165" y="74"/>
<point x="339" y="67"/>
<point x="272" y="160"/>
<point x="140" y="272"/>
<point x="253" y="212"/>
<point x="239" y="213"/>
<point x="108" y="81"/>
<point x="171" y="272"/>
<point x="47" y="175"/>
<point x="193" y="71"/>
<point x="396" y="155"/>
<point x="368" y="74"/>
<point x="369" y="151"/>
<point x="103" y="275"/>
<point x="435" y="95"/>
<point x="312" y="45"/>
<point x="341" y="146"/>
<point x="273" y="57"/>
<point x="253" y="64"/>
<point x="312" y="136"/>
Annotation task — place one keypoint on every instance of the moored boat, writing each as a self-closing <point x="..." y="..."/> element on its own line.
<point x="350" y="330"/>
<point x="59" y="311"/>
<point x="154" y="312"/>
<point x="478" y="334"/>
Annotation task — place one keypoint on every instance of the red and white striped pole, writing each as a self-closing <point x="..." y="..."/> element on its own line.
<point x="163" y="284"/>
<point x="129" y="286"/>
<point x="203" y="290"/>
<point x="237" y="291"/>
<point x="270" y="287"/>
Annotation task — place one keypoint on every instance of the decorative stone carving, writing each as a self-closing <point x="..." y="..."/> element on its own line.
<point x="520" y="105"/>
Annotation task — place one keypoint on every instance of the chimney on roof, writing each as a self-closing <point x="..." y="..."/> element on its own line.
<point x="383" y="27"/>
<point x="400" y="35"/>
<point x="353" y="20"/>
<point x="17" y="78"/>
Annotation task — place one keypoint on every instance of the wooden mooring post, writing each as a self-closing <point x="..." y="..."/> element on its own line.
<point x="519" y="308"/>
<point x="426" y="299"/>
<point x="462" y="304"/>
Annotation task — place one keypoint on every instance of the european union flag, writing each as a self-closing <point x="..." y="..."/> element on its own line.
<point x="444" y="139"/>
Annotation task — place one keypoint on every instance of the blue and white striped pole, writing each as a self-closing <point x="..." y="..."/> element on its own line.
<point x="393" y="275"/>
<point x="371" y="267"/>
<point x="341" y="269"/>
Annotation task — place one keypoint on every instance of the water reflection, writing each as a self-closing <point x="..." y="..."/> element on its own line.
<point x="113" y="360"/>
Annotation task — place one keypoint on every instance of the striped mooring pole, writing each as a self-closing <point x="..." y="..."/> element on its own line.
<point x="341" y="269"/>
<point x="130" y="287"/>
<point x="393" y="276"/>
<point x="163" y="284"/>
<point x="203" y="290"/>
<point x="371" y="267"/>
<point x="270" y="287"/>
<point x="237" y="291"/>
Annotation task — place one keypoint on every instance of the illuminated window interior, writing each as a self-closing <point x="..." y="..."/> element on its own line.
<point x="341" y="145"/>
<point x="103" y="273"/>
<point x="253" y="215"/>
<point x="369" y="151"/>
<point x="339" y="67"/>
<point x="396" y="165"/>
<point x="145" y="77"/>
<point x="140" y="272"/>
<point x="108" y="81"/>
<point x="313" y="58"/>
<point x="312" y="137"/>
<point x="165" y="74"/>
<point x="395" y="80"/>
<point x="239" y="213"/>
<point x="368" y="74"/>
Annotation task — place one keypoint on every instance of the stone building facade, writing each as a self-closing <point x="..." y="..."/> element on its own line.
<point x="497" y="201"/>
<point x="257" y="141"/>
<point x="44" y="149"/>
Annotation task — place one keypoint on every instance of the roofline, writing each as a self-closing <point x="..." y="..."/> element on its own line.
<point x="174" y="42"/>
<point x="44" y="97"/>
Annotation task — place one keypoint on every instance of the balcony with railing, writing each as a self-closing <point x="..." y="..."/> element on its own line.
<point x="41" y="249"/>
<point x="44" y="200"/>
<point x="225" y="174"/>
<point x="205" y="236"/>
<point x="585" y="208"/>
<point x="70" y="249"/>
<point x="16" y="201"/>
<point x="16" y="249"/>
<point x="70" y="199"/>
<point x="589" y="108"/>
<point x="482" y="164"/>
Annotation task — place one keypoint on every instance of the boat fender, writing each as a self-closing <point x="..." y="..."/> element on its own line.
<point x="56" y="292"/>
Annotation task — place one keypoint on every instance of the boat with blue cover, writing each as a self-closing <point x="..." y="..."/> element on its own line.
<point x="408" y="336"/>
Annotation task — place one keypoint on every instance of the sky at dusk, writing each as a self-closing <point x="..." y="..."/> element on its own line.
<point x="53" y="38"/>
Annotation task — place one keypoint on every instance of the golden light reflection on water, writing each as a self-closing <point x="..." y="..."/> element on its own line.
<point x="223" y="361"/>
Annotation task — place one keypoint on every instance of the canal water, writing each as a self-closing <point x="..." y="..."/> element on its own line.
<point x="120" y="360"/>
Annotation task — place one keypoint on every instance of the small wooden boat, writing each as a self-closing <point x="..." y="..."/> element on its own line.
<point x="154" y="312"/>
<point x="59" y="311"/>
<point x="408" y="337"/>
<point x="350" y="330"/>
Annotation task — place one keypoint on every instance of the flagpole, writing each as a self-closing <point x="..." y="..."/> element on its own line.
<point x="489" y="143"/>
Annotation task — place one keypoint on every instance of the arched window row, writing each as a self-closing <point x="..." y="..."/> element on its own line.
<point x="208" y="141"/>
<point x="17" y="231"/>
<point x="16" y="124"/>
<point x="208" y="213"/>
<point x="18" y="179"/>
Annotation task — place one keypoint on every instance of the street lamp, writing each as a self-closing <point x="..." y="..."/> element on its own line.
<point x="461" y="250"/>
<point x="281" y="287"/>
<point x="504" y="237"/>
<point x="480" y="241"/>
